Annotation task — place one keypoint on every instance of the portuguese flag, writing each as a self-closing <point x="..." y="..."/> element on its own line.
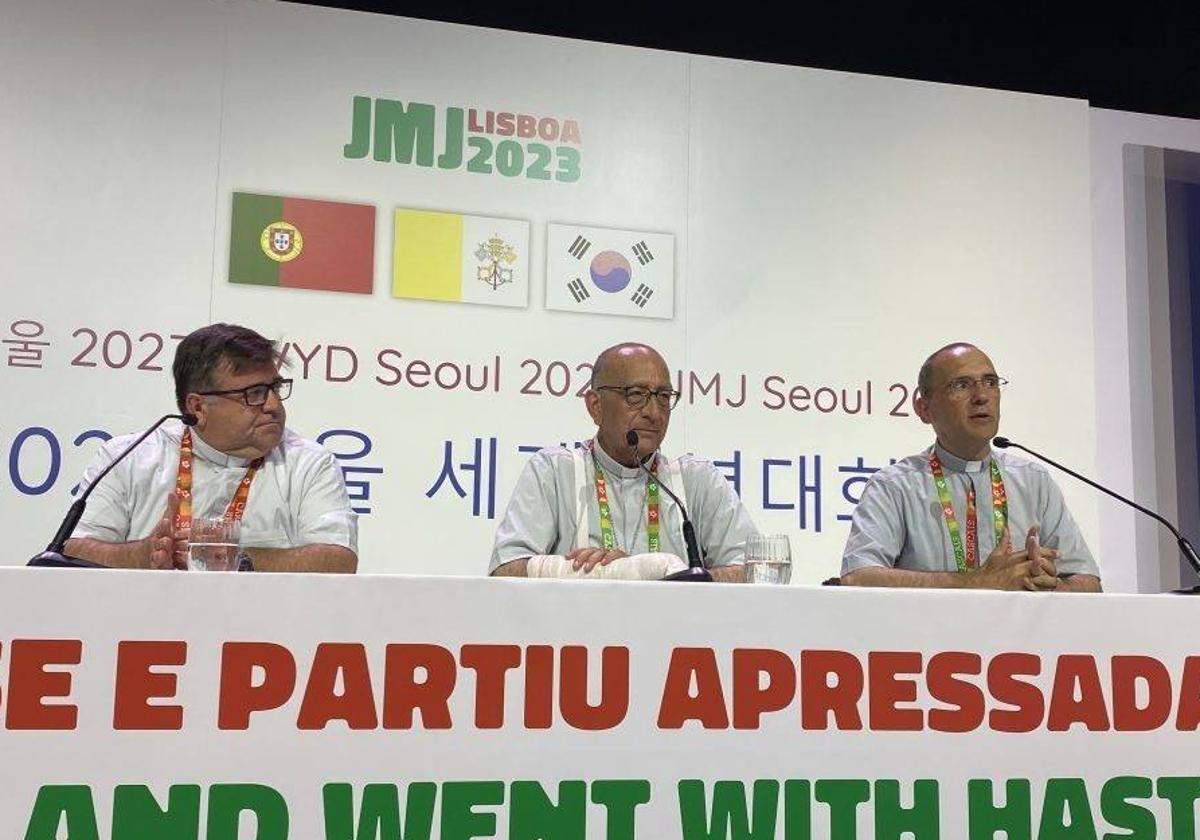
<point x="301" y="243"/>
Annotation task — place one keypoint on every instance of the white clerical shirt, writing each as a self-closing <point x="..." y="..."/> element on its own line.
<point x="298" y="497"/>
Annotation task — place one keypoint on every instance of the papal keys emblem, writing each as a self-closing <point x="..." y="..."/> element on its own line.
<point x="281" y="241"/>
<point x="495" y="257"/>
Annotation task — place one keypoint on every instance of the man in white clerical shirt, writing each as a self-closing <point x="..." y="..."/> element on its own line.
<point x="239" y="462"/>
<point x="946" y="516"/>
<point x="599" y="511"/>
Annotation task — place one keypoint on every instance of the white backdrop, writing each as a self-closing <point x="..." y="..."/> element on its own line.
<point x="829" y="231"/>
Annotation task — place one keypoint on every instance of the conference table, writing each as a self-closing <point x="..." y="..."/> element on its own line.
<point x="163" y="704"/>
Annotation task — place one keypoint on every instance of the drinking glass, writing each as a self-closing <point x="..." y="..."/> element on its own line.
<point x="768" y="559"/>
<point x="214" y="545"/>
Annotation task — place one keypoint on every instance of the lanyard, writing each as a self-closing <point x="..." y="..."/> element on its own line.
<point x="607" y="534"/>
<point x="969" y="559"/>
<point x="183" y="486"/>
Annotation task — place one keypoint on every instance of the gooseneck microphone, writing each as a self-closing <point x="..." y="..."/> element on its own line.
<point x="53" y="555"/>
<point x="695" y="572"/>
<point x="1185" y="547"/>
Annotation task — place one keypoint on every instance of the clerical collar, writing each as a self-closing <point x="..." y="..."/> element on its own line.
<point x="205" y="452"/>
<point x="610" y="465"/>
<point x="955" y="464"/>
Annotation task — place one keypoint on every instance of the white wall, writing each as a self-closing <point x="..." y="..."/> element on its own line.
<point x="1134" y="433"/>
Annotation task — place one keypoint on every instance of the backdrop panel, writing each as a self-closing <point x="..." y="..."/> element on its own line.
<point x="1137" y="366"/>
<point x="794" y="242"/>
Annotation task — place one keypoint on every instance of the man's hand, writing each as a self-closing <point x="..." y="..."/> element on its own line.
<point x="315" y="557"/>
<point x="168" y="548"/>
<point x="1043" y="575"/>
<point x="588" y="558"/>
<point x="1008" y="570"/>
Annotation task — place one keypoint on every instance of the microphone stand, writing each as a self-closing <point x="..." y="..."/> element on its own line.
<point x="695" y="572"/>
<point x="1185" y="547"/>
<point x="53" y="556"/>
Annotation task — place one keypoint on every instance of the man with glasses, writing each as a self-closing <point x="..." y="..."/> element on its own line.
<point x="947" y="517"/>
<point x="599" y="511"/>
<point x="238" y="462"/>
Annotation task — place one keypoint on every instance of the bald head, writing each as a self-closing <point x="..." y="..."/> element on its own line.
<point x="925" y="375"/>
<point x="614" y="360"/>
<point x="960" y="397"/>
<point x="620" y="375"/>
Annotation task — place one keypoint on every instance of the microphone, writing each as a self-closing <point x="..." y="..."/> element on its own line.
<point x="53" y="555"/>
<point x="1185" y="547"/>
<point x="695" y="572"/>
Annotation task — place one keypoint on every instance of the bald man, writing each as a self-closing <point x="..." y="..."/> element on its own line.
<point x="593" y="512"/>
<point x="948" y="517"/>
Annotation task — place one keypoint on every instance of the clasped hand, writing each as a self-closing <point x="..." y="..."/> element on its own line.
<point x="168" y="547"/>
<point x="1030" y="569"/>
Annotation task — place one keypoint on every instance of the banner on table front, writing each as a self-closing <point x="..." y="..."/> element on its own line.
<point x="165" y="704"/>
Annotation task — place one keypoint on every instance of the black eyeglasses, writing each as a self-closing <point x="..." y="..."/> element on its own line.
<point x="255" y="395"/>
<point x="636" y="396"/>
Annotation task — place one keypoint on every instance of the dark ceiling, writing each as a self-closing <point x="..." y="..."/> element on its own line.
<point x="1147" y="61"/>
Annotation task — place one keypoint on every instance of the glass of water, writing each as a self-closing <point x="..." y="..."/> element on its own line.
<point x="214" y="545"/>
<point x="768" y="559"/>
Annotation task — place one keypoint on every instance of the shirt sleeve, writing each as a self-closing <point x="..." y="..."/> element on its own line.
<point x="1059" y="530"/>
<point x="530" y="525"/>
<point x="876" y="530"/>
<point x="324" y="514"/>
<point x="722" y="521"/>
<point x="109" y="510"/>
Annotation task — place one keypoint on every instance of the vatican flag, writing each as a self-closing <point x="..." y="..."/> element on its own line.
<point x="613" y="272"/>
<point x="456" y="257"/>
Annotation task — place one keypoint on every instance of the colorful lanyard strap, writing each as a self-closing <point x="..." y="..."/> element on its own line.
<point x="183" y="486"/>
<point x="607" y="534"/>
<point x="969" y="559"/>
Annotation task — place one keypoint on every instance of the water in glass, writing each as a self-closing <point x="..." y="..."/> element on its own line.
<point x="769" y="559"/>
<point x="213" y="545"/>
